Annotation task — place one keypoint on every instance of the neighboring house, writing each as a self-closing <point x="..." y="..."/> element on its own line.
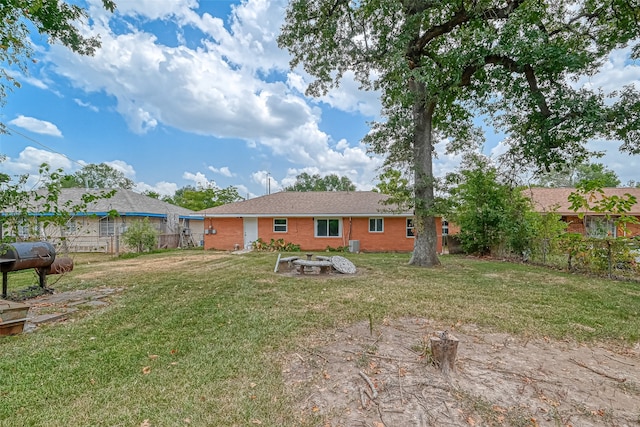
<point x="593" y="224"/>
<point x="99" y="230"/>
<point x="314" y="220"/>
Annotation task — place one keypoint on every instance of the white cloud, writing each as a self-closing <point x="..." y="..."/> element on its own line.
<point x="34" y="82"/>
<point x="624" y="165"/>
<point x="262" y="177"/>
<point x="123" y="167"/>
<point x="36" y="125"/>
<point x="199" y="179"/>
<point x="244" y="192"/>
<point x="224" y="171"/>
<point x="86" y="105"/>
<point x="614" y="73"/>
<point x="346" y="97"/>
<point x="349" y="97"/>
<point x="445" y="163"/>
<point x="218" y="88"/>
<point x="255" y="25"/>
<point x="29" y="161"/>
<point x="156" y="10"/>
<point x="163" y="188"/>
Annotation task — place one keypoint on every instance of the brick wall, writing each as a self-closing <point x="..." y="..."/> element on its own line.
<point x="300" y="231"/>
<point x="229" y="233"/>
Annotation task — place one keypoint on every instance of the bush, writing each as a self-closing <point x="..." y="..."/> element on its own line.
<point x="494" y="218"/>
<point x="275" y="245"/>
<point x="141" y="235"/>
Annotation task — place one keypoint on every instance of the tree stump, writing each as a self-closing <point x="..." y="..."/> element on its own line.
<point x="444" y="349"/>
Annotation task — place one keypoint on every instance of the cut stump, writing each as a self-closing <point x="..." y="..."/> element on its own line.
<point x="444" y="349"/>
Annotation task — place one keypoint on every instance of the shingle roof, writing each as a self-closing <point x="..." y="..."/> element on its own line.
<point x="556" y="199"/>
<point x="126" y="202"/>
<point x="309" y="203"/>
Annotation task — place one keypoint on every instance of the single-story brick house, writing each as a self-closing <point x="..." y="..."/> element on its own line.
<point x="314" y="220"/>
<point x="98" y="229"/>
<point x="595" y="224"/>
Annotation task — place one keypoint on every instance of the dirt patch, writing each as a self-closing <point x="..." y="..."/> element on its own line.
<point x="145" y="264"/>
<point x="499" y="380"/>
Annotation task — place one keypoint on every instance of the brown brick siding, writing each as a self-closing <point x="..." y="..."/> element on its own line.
<point x="229" y="233"/>
<point x="576" y="225"/>
<point x="300" y="231"/>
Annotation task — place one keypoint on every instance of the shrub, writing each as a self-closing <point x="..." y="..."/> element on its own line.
<point x="141" y="235"/>
<point x="275" y="245"/>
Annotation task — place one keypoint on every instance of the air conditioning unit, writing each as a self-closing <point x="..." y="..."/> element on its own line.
<point x="354" y="246"/>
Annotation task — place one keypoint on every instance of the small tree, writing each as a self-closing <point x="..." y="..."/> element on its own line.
<point x="39" y="207"/>
<point x="550" y="234"/>
<point x="491" y="215"/>
<point x="590" y="197"/>
<point x="141" y="235"/>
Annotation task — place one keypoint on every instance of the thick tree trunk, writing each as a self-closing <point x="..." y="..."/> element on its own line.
<point x="425" y="253"/>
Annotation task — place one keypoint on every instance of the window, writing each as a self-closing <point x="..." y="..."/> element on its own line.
<point x="328" y="228"/>
<point x="376" y="225"/>
<point x="280" y="225"/>
<point x="71" y="226"/>
<point x="600" y="227"/>
<point x="163" y="226"/>
<point x="410" y="228"/>
<point x="24" y="231"/>
<point x="445" y="227"/>
<point x="107" y="226"/>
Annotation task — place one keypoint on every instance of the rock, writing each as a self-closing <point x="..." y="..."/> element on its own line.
<point x="343" y="265"/>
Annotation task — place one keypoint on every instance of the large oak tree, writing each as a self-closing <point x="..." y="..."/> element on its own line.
<point x="438" y="64"/>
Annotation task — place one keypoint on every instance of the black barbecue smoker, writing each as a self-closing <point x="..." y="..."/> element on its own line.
<point x="25" y="255"/>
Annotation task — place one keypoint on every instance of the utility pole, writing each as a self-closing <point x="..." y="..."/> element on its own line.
<point x="268" y="183"/>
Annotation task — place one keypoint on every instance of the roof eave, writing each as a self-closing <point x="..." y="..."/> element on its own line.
<point x="307" y="215"/>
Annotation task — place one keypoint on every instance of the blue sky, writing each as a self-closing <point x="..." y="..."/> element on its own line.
<point x="185" y="92"/>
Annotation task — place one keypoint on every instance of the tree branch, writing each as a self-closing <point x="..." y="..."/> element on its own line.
<point x="514" y="67"/>
<point x="462" y="16"/>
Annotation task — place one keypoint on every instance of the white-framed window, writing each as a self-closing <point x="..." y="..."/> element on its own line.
<point x="445" y="227"/>
<point x="328" y="227"/>
<point x="376" y="225"/>
<point x="280" y="225"/>
<point x="600" y="227"/>
<point x="410" y="228"/>
<point x="107" y="225"/>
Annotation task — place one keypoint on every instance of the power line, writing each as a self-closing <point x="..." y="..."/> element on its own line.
<point x="44" y="146"/>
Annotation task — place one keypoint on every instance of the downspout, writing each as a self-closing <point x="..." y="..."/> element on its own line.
<point x="350" y="229"/>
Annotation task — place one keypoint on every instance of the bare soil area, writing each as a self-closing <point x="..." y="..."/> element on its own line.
<point x="144" y="264"/>
<point x="499" y="380"/>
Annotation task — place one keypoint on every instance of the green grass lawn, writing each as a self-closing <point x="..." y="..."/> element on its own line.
<point x="202" y="344"/>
